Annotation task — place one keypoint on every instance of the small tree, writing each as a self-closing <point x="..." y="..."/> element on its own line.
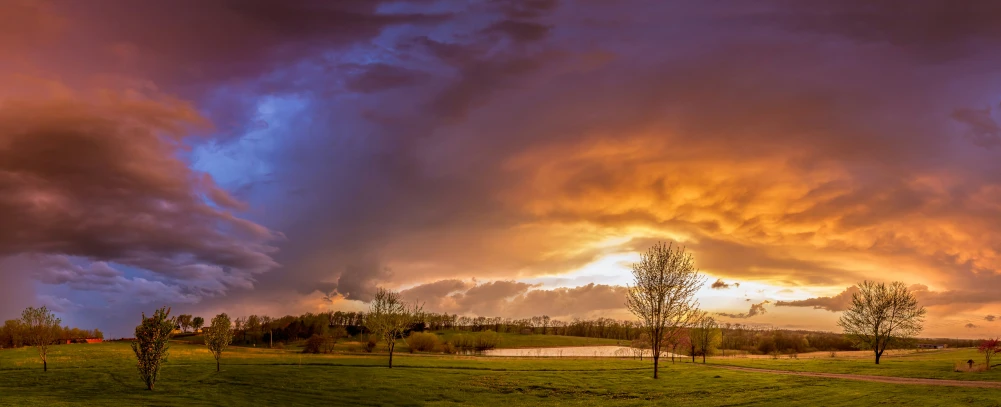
<point x="640" y="345"/>
<point x="40" y="329"/>
<point x="989" y="347"/>
<point x="151" y="344"/>
<point x="663" y="294"/>
<point x="197" y="323"/>
<point x="389" y="317"/>
<point x="336" y="333"/>
<point x="881" y="315"/>
<point x="218" y="336"/>
<point x="705" y="336"/>
<point x="679" y="341"/>
<point x="183" y="322"/>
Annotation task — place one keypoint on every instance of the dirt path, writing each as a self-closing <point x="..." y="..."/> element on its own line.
<point x="867" y="378"/>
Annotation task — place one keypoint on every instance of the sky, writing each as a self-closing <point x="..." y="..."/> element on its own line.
<point x="498" y="158"/>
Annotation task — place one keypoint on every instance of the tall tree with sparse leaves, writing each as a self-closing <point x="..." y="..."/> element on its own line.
<point x="662" y="295"/>
<point x="390" y="317"/>
<point x="218" y="336"/>
<point x="881" y="315"/>
<point x="40" y="330"/>
<point x="151" y="344"/>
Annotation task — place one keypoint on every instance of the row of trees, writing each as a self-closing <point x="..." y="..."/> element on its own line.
<point x="14" y="334"/>
<point x="186" y="322"/>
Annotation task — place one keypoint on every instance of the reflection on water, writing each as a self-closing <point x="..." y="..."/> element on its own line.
<point x="575" y="352"/>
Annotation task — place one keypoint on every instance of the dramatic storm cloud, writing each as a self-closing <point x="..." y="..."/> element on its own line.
<point x="499" y="158"/>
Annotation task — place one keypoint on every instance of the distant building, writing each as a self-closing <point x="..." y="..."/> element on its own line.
<point x="931" y="346"/>
<point x="84" y="340"/>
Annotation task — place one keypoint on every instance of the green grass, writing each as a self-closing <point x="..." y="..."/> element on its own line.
<point x="104" y="374"/>
<point x="927" y="364"/>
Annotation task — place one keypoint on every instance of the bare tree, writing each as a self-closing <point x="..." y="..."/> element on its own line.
<point x="881" y="315"/>
<point x="390" y="317"/>
<point x="218" y="336"/>
<point x="663" y="294"/>
<point x="39" y="329"/>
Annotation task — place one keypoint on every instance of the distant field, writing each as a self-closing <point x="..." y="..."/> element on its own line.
<point x="933" y="364"/>
<point x="104" y="374"/>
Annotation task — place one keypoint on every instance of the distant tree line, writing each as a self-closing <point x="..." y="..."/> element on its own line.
<point x="14" y="334"/>
<point x="256" y="330"/>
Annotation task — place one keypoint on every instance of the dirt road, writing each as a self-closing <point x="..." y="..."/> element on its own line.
<point x="867" y="378"/>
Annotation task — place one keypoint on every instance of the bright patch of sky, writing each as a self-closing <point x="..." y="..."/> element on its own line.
<point x="246" y="159"/>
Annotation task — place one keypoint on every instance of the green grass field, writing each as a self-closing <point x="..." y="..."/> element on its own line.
<point x="104" y="374"/>
<point x="937" y="364"/>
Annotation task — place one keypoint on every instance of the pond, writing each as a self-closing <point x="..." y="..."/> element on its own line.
<point x="573" y="352"/>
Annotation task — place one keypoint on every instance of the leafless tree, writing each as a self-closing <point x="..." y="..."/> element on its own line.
<point x="662" y="295"/>
<point x="390" y="317"/>
<point x="881" y="315"/>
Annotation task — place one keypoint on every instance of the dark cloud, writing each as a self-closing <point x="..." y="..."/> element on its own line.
<point x="967" y="299"/>
<point x="719" y="285"/>
<point x="17" y="290"/>
<point x="521" y="31"/>
<point x="525" y="8"/>
<point x="516" y="299"/>
<point x="990" y="318"/>
<point x="938" y="30"/>
<point x="756" y="309"/>
<point x="489" y="298"/>
<point x="983" y="129"/>
<point x="836" y="303"/>
<point x="380" y="77"/>
<point x="971" y="325"/>
<point x="587" y="300"/>
<point x="219" y="40"/>
<point x="101" y="181"/>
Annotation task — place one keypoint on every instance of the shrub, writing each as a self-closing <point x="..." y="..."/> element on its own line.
<point x="965" y="367"/>
<point x="371" y="343"/>
<point x="314" y="344"/>
<point x="463" y="343"/>
<point x="422" y="342"/>
<point x="328" y="344"/>
<point x="448" y="348"/>
<point x="487" y="340"/>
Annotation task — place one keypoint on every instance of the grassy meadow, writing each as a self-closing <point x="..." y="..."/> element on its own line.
<point x="104" y="374"/>
<point x="932" y="364"/>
